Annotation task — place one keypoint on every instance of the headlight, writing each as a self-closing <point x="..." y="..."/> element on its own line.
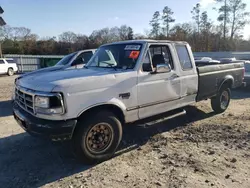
<point x="52" y="104"/>
<point x="42" y="102"/>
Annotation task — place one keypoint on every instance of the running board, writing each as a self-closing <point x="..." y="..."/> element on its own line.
<point x="148" y="124"/>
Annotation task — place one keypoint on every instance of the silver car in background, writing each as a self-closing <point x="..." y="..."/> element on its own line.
<point x="74" y="60"/>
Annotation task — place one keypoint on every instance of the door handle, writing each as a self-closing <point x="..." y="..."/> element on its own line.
<point x="174" y="76"/>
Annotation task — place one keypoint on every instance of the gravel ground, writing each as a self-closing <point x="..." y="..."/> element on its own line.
<point x="200" y="149"/>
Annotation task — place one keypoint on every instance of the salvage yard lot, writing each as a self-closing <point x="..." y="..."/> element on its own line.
<point x="200" y="149"/>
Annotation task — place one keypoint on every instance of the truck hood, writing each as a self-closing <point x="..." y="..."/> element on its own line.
<point x="47" y="69"/>
<point x="72" y="80"/>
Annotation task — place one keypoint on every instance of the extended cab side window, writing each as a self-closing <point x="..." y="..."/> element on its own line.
<point x="1" y="62"/>
<point x="184" y="57"/>
<point x="161" y="52"/>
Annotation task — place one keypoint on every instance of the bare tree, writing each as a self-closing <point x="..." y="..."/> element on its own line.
<point x="102" y="36"/>
<point x="125" y="33"/>
<point x="181" y="32"/>
<point x="68" y="37"/>
<point x="82" y="42"/>
<point x="23" y="33"/>
<point x="139" y="36"/>
<point x="15" y="33"/>
<point x="114" y="34"/>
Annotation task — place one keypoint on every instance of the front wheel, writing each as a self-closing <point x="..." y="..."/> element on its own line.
<point x="221" y="102"/>
<point x="97" y="139"/>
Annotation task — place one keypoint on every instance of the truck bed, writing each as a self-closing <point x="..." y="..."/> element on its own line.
<point x="210" y="78"/>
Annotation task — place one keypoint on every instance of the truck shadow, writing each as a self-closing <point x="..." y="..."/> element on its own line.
<point x="136" y="136"/>
<point x="5" y="108"/>
<point x="30" y="162"/>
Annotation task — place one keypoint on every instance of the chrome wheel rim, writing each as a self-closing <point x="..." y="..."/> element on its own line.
<point x="99" y="138"/>
<point x="224" y="99"/>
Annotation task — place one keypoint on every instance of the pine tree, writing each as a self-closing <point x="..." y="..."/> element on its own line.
<point x="167" y="18"/>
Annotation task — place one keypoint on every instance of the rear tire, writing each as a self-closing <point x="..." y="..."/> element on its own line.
<point x="97" y="138"/>
<point x="221" y="102"/>
<point x="10" y="72"/>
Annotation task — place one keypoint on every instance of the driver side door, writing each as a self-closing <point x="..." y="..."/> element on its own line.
<point x="157" y="92"/>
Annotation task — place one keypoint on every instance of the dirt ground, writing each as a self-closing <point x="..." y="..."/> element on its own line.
<point x="200" y="149"/>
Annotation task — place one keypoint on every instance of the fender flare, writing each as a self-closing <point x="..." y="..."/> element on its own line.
<point x="121" y="107"/>
<point x="226" y="79"/>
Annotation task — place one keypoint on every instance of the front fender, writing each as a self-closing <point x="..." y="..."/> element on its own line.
<point x="115" y="102"/>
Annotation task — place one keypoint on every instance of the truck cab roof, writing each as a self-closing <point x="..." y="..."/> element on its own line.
<point x="144" y="41"/>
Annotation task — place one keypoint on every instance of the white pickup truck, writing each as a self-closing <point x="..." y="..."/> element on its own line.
<point x="122" y="83"/>
<point x="7" y="66"/>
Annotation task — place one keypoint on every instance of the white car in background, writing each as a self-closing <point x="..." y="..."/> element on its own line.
<point x="8" y="66"/>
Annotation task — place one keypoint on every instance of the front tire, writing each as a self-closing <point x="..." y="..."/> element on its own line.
<point x="221" y="102"/>
<point x="97" y="138"/>
<point x="10" y="72"/>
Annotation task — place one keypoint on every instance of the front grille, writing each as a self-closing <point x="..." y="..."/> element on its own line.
<point x="25" y="100"/>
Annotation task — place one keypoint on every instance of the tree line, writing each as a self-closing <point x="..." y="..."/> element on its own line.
<point x="20" y="40"/>
<point x="201" y="33"/>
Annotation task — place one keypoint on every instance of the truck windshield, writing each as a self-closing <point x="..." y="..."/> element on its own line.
<point x="66" y="59"/>
<point x="122" y="56"/>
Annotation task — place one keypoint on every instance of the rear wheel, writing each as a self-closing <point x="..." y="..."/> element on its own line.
<point x="10" y="72"/>
<point x="97" y="139"/>
<point x="221" y="102"/>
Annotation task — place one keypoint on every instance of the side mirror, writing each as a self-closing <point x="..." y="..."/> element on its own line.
<point x="162" y="68"/>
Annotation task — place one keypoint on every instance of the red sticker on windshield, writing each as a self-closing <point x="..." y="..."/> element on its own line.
<point x="134" y="54"/>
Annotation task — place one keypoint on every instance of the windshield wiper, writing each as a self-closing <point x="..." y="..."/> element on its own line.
<point x="109" y="66"/>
